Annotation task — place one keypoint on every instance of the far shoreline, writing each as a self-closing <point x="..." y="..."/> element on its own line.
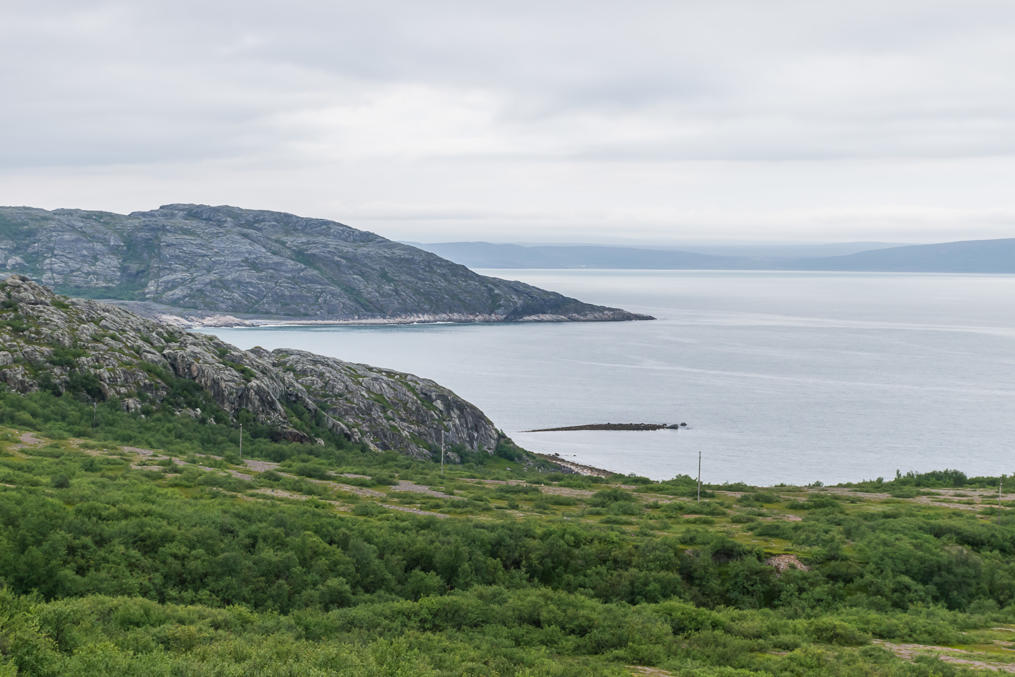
<point x="232" y="322"/>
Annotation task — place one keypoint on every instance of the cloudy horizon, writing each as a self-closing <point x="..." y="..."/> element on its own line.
<point x="662" y="123"/>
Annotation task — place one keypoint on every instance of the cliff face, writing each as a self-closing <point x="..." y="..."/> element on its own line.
<point x="101" y="352"/>
<point x="190" y="259"/>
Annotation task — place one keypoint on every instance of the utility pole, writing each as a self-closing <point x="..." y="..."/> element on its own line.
<point x="442" y="453"/>
<point x="699" y="477"/>
<point x="241" y="440"/>
<point x="1000" y="482"/>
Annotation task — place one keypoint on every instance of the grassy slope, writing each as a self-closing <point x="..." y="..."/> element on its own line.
<point x="122" y="560"/>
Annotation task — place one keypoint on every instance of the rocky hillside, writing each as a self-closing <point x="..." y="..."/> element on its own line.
<point x="196" y="260"/>
<point x="88" y="349"/>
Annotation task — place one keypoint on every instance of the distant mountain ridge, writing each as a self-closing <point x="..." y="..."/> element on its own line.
<point x="489" y="255"/>
<point x="197" y="259"/>
<point x="968" y="256"/>
<point x="972" y="256"/>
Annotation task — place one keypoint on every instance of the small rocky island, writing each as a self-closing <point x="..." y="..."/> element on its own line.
<point x="612" y="426"/>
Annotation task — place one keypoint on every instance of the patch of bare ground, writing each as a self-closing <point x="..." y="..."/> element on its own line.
<point x="415" y="511"/>
<point x="353" y="476"/>
<point x="978" y="493"/>
<point x="783" y="562"/>
<point x="927" y="500"/>
<point x="565" y="491"/>
<point x="92" y="452"/>
<point x="259" y="466"/>
<point x="359" y="491"/>
<point x="405" y="485"/>
<point x="781" y="518"/>
<point x="476" y="480"/>
<point x="89" y="446"/>
<point x="144" y="452"/>
<point x="910" y="651"/>
<point x="568" y="491"/>
<point x="147" y="455"/>
<point x="840" y="491"/>
<point x="649" y="672"/>
<point x="979" y="665"/>
<point x="937" y="497"/>
<point x="520" y="513"/>
<point x="254" y="465"/>
<point x="280" y="493"/>
<point x="30" y="440"/>
<point x="25" y="441"/>
<point x="152" y="455"/>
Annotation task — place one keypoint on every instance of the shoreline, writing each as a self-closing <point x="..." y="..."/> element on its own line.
<point x="577" y="468"/>
<point x="232" y="322"/>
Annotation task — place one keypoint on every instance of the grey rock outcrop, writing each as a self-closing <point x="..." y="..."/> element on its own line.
<point x="103" y="352"/>
<point x="194" y="260"/>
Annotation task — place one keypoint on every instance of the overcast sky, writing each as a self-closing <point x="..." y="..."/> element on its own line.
<point x="524" y="121"/>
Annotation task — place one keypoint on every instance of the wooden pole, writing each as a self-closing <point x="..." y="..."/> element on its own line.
<point x="699" y="477"/>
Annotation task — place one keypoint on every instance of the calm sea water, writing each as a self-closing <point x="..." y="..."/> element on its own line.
<point x="781" y="377"/>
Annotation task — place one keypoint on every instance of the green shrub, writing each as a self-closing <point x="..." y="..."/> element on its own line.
<point x="832" y="631"/>
<point x="611" y="496"/>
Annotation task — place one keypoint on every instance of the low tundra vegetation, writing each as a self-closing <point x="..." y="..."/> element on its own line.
<point x="133" y="546"/>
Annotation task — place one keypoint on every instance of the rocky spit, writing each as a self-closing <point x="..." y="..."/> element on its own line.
<point x="49" y="339"/>
<point x="629" y="427"/>
<point x="199" y="263"/>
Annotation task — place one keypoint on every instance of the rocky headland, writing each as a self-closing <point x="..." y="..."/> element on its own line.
<point x="196" y="264"/>
<point x="87" y="349"/>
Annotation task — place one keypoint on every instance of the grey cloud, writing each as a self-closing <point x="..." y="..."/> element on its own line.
<point x="224" y="66"/>
<point x="484" y="103"/>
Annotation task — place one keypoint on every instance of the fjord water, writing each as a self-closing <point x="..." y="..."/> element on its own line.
<point x="781" y="377"/>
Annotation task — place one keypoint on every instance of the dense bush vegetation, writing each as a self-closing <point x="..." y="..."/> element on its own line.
<point x="179" y="563"/>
